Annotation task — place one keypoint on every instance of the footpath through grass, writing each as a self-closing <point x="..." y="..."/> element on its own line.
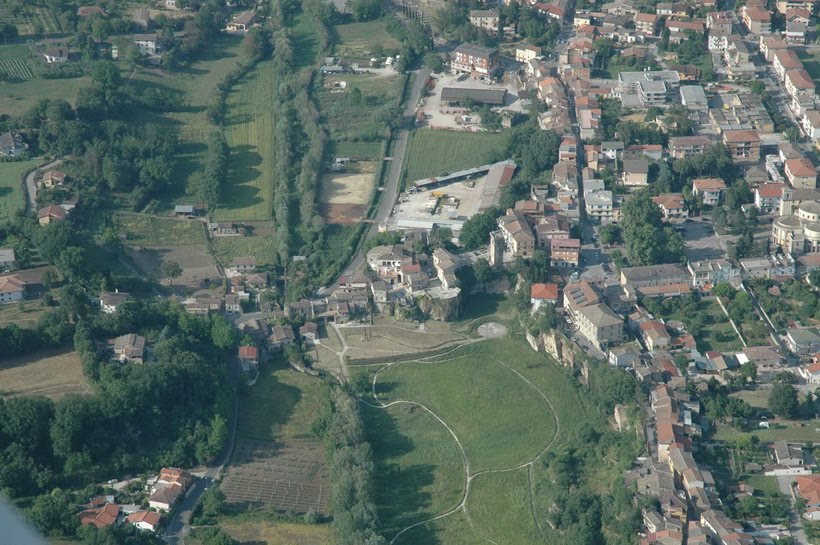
<point x="12" y="195"/>
<point x="501" y="421"/>
<point x="432" y="152"/>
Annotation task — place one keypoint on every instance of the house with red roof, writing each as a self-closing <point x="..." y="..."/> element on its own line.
<point x="808" y="487"/>
<point x="543" y="293"/>
<point x="144" y="520"/>
<point x="101" y="517"/>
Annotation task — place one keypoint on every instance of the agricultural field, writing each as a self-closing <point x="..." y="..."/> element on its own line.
<point x="249" y="129"/>
<point x="12" y="194"/>
<point x="798" y="431"/>
<point x="25" y="315"/>
<point x="16" y="68"/>
<point x="432" y="152"/>
<point x="359" y="40"/>
<point x="278" y="464"/>
<point x="51" y="373"/>
<point x="508" y="407"/>
<point x="265" y="532"/>
<point x="147" y="230"/>
<point x="344" y="196"/>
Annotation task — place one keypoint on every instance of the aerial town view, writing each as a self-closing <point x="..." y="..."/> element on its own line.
<point x="370" y="272"/>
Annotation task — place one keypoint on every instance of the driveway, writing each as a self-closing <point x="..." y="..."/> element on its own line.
<point x="31" y="184"/>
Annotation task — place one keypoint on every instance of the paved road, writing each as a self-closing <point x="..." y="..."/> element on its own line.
<point x="177" y="528"/>
<point x="31" y="184"/>
<point x="391" y="189"/>
<point x="784" y="484"/>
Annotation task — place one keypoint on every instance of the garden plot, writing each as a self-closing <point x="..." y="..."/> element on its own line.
<point x="283" y="476"/>
<point x="344" y="196"/>
<point x="16" y="68"/>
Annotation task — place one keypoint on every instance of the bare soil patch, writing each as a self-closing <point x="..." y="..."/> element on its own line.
<point x="344" y="196"/>
<point x="51" y="373"/>
<point x="197" y="264"/>
<point x="342" y="214"/>
<point x="288" y="475"/>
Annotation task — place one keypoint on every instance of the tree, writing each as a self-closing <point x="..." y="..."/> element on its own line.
<point x="757" y="87"/>
<point x="213" y="502"/>
<point x="365" y="10"/>
<point x="814" y="278"/>
<point x="783" y="400"/>
<point x="483" y="272"/>
<point x="223" y="334"/>
<point x="749" y="371"/>
<point x="476" y="230"/>
<point x="610" y="234"/>
<point x="171" y="269"/>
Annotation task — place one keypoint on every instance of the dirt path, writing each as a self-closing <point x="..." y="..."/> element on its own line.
<point x="468" y="474"/>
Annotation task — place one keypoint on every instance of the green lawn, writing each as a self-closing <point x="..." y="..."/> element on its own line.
<point x="763" y="483"/>
<point x="797" y="431"/>
<point x="249" y="130"/>
<point x="356" y="40"/>
<point x="18" y="97"/>
<point x="305" y="41"/>
<point x="432" y="152"/>
<point x="501" y="421"/>
<point x="144" y="229"/>
<point x="283" y="404"/>
<point x="12" y="195"/>
<point x="502" y="502"/>
<point x="418" y="455"/>
<point x="260" y="247"/>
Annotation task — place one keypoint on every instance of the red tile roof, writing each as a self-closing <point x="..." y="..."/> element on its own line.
<point x="544" y="291"/>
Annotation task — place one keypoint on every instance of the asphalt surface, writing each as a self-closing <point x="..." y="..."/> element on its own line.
<point x="31" y="184"/>
<point x="390" y="191"/>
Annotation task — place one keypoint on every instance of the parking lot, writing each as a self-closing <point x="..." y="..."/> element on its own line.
<point x="701" y="241"/>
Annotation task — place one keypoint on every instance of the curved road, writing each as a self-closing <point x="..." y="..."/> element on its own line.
<point x="31" y="184"/>
<point x="390" y="192"/>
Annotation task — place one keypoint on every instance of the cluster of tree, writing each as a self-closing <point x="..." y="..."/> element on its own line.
<point x="475" y="232"/>
<point x="351" y="466"/>
<point x="781" y="310"/>
<point x="208" y="186"/>
<point x="647" y="241"/>
<point x="139" y="416"/>
<point x="783" y="399"/>
<point x="213" y="536"/>
<point x="415" y="37"/>
<point x="365" y="10"/>
<point x="688" y="307"/>
<point x="765" y="507"/>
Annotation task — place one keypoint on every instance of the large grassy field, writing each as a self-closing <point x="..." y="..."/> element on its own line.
<point x="305" y="41"/>
<point x="489" y="394"/>
<point x="260" y="247"/>
<point x="789" y="430"/>
<point x="249" y="130"/>
<point x="283" y="404"/>
<point x="52" y="373"/>
<point x="12" y="196"/>
<point x="266" y="532"/>
<point x="357" y="40"/>
<point x="432" y="153"/>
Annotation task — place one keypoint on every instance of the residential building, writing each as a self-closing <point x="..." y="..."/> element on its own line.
<point x="446" y="265"/>
<point x="785" y="60"/>
<point x="51" y="214"/>
<point x="578" y="295"/>
<point x="811" y="373"/>
<point x="281" y="336"/>
<point x="709" y="273"/>
<point x="6" y="258"/>
<point x="756" y="20"/>
<point x="654" y="335"/>
<point x="169" y="487"/>
<point x="248" y="357"/>
<point x="11" y="289"/>
<point x="148" y="45"/>
<point x="129" y="348"/>
<point x="635" y="172"/>
<point x="788" y="455"/>
<point x="810" y="123"/>
<point x="526" y="52"/>
<point x="768" y="267"/>
<point x="801" y="173"/>
<point x="11" y="144"/>
<point x="543" y="294"/>
<point x="710" y="190"/>
<point x="767" y="197"/>
<point x="627" y="356"/>
<point x="242" y="22"/>
<point x="682" y="147"/>
<point x="144" y="520"/>
<point x="56" y="55"/>
<point x="565" y="253"/>
<point x="242" y="265"/>
<point x="800" y="88"/>
<point x="803" y="341"/>
<point x="672" y="206"/>
<point x="653" y="87"/>
<point x="600" y="206"/>
<point x="101" y="517"/>
<point x="600" y="326"/>
<point x="744" y="145"/>
<point x="475" y="60"/>
<point x="808" y="487"/>
<point x="111" y="301"/>
<point x="517" y="234"/>
<point x="487" y="19"/>
<point x="783" y="6"/>
<point x="53" y="178"/>
<point x="645" y="23"/>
